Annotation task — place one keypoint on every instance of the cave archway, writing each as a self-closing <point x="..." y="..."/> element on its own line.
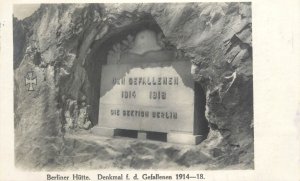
<point x="98" y="56"/>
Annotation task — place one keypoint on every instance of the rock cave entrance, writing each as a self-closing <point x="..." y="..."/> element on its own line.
<point x="101" y="51"/>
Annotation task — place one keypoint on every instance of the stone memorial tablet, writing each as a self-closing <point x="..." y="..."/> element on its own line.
<point x="148" y="97"/>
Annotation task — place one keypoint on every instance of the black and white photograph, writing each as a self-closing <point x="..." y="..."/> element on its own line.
<point x="138" y="85"/>
<point x="162" y="90"/>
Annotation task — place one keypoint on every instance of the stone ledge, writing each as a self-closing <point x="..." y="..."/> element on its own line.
<point x="172" y="137"/>
<point x="184" y="138"/>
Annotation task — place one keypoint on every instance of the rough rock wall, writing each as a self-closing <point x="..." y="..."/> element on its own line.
<point x="67" y="44"/>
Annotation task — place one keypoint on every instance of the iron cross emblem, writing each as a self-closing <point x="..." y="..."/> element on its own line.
<point x="30" y="80"/>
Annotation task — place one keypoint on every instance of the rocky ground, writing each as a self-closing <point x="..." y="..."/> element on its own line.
<point x="83" y="150"/>
<point x="66" y="45"/>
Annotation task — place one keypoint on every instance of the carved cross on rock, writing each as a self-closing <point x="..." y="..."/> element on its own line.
<point x="30" y="79"/>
